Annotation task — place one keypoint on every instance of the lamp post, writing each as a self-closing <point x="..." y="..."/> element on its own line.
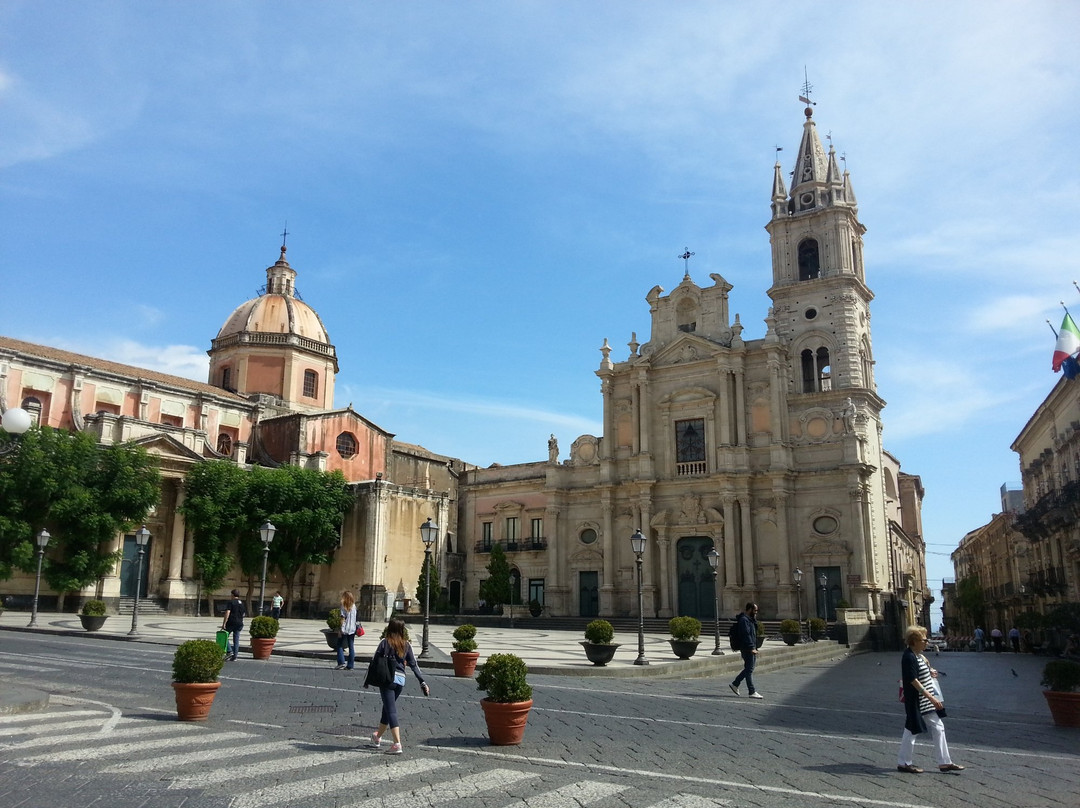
<point x="823" y="579"/>
<point x="796" y="575"/>
<point x="637" y="542"/>
<point x="714" y="562"/>
<point x="15" y="421"/>
<point x="266" y="533"/>
<point x="142" y="536"/>
<point x="42" y="541"/>
<point x="429" y="531"/>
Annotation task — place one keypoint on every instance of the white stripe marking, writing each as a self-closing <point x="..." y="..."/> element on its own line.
<point x="576" y="795"/>
<point x="130" y="731"/>
<point x="459" y="789"/>
<point x="135" y="748"/>
<point x="266" y="767"/>
<point x="344" y="781"/>
<point x="176" y="761"/>
<point x="692" y="801"/>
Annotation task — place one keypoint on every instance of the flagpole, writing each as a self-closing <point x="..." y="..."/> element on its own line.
<point x="1051" y="327"/>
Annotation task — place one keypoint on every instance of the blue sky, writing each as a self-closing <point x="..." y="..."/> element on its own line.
<point x="479" y="193"/>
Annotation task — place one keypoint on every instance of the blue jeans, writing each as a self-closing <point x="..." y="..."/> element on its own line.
<point x="749" y="659"/>
<point x="343" y="640"/>
<point x="235" y="641"/>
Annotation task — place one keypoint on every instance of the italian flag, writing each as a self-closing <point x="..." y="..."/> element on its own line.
<point x="1068" y="342"/>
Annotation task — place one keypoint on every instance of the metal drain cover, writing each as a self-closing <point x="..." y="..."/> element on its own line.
<point x="313" y="708"/>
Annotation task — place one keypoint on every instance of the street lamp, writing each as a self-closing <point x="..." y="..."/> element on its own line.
<point x="429" y="531"/>
<point x="266" y="533"/>
<point x="796" y="575"/>
<point x="637" y="542"/>
<point x="714" y="561"/>
<point x="15" y="421"/>
<point x="823" y="579"/>
<point x="142" y="536"/>
<point x="42" y="541"/>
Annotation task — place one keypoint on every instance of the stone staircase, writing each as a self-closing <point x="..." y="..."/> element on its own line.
<point x="148" y="607"/>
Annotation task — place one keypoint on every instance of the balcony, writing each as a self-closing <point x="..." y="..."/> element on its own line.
<point x="697" y="468"/>
<point x="517" y="546"/>
<point x="1055" y="511"/>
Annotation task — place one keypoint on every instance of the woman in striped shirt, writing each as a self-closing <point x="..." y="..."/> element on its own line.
<point x="922" y="704"/>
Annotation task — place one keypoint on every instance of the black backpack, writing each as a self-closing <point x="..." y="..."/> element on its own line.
<point x="732" y="635"/>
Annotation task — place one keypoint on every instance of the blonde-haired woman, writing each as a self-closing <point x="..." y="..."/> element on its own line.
<point x="348" y="631"/>
<point x="922" y="705"/>
<point x="396" y="647"/>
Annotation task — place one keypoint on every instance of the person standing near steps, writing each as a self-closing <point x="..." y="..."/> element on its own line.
<point x="746" y="641"/>
<point x="233" y="622"/>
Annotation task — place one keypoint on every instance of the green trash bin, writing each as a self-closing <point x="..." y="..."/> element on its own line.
<point x="223" y="640"/>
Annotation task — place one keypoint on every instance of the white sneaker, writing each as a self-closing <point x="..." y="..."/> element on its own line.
<point x="756" y="696"/>
<point x="394" y="750"/>
<point x="376" y="739"/>
<point x="734" y="689"/>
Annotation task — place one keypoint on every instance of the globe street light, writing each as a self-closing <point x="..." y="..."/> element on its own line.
<point x="429" y="531"/>
<point x="42" y="540"/>
<point x="637" y="542"/>
<point x="142" y="536"/>
<point x="796" y="575"/>
<point x="15" y="421"/>
<point x="714" y="562"/>
<point x="266" y="533"/>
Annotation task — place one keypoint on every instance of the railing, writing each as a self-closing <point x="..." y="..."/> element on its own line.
<point x="694" y="469"/>
<point x="515" y="546"/>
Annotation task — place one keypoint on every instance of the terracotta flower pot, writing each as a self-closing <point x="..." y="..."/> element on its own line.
<point x="1064" y="707"/>
<point x="262" y="646"/>
<point x="506" y="721"/>
<point x="193" y="700"/>
<point x="464" y="663"/>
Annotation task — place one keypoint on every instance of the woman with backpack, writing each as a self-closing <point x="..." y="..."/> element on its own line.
<point x="395" y="647"/>
<point x="233" y="622"/>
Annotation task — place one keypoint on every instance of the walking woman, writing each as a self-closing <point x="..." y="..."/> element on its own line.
<point x="922" y="704"/>
<point x="348" y="631"/>
<point x="395" y="646"/>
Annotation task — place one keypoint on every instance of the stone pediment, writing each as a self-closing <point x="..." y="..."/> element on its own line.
<point x="165" y="446"/>
<point x="687" y="348"/>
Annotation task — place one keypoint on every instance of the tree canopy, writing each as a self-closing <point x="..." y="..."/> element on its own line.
<point x="83" y="493"/>
<point x="226" y="505"/>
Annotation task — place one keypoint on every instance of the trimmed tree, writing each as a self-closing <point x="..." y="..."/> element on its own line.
<point x="496" y="589"/>
<point x="83" y="493"/>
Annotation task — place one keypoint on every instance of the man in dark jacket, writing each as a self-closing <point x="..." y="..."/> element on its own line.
<point x="746" y="640"/>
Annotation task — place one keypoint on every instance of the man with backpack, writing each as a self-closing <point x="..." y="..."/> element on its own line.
<point x="744" y="640"/>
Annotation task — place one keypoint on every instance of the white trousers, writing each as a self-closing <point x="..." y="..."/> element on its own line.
<point x="941" y="747"/>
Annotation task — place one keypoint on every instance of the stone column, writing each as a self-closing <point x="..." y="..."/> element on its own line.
<point x="607" y="587"/>
<point x="667" y="583"/>
<point x="747" y="538"/>
<point x="176" y="540"/>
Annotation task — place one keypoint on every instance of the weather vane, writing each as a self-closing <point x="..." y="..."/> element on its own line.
<point x="807" y="88"/>
<point x="686" y="262"/>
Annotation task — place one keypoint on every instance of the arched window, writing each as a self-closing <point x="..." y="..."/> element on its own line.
<point x="816" y="371"/>
<point x="346" y="445"/>
<point x="311" y="384"/>
<point x="686" y="316"/>
<point x="226" y="378"/>
<point x="809" y="261"/>
<point x="224" y="444"/>
<point x="33" y="407"/>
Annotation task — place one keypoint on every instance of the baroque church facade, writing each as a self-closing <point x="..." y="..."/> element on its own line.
<point x="767" y="450"/>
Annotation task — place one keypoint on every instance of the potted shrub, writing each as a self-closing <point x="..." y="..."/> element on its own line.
<point x="759" y="627"/>
<point x="790" y="631"/>
<point x="196" y="665"/>
<point x="509" y="698"/>
<point x="817" y="628"/>
<point x="684" y="635"/>
<point x="598" y="644"/>
<point x="263" y="630"/>
<point x="536" y="608"/>
<point x="93" y="615"/>
<point x="1061" y="678"/>
<point x="333" y="622"/>
<point x="464" y="653"/>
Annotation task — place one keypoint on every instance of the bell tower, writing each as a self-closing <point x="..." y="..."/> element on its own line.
<point x="821" y="304"/>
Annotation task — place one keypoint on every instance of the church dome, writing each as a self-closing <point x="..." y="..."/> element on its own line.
<point x="278" y="311"/>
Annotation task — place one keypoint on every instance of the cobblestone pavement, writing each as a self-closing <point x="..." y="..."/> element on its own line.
<point x="291" y="731"/>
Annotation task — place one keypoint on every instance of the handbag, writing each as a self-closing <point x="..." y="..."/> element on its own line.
<point x="359" y="630"/>
<point x="380" y="671"/>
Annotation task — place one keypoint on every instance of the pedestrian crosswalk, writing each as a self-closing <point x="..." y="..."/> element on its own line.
<point x="248" y="771"/>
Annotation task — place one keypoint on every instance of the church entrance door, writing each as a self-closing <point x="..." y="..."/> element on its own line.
<point x="588" y="594"/>
<point x="695" y="578"/>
